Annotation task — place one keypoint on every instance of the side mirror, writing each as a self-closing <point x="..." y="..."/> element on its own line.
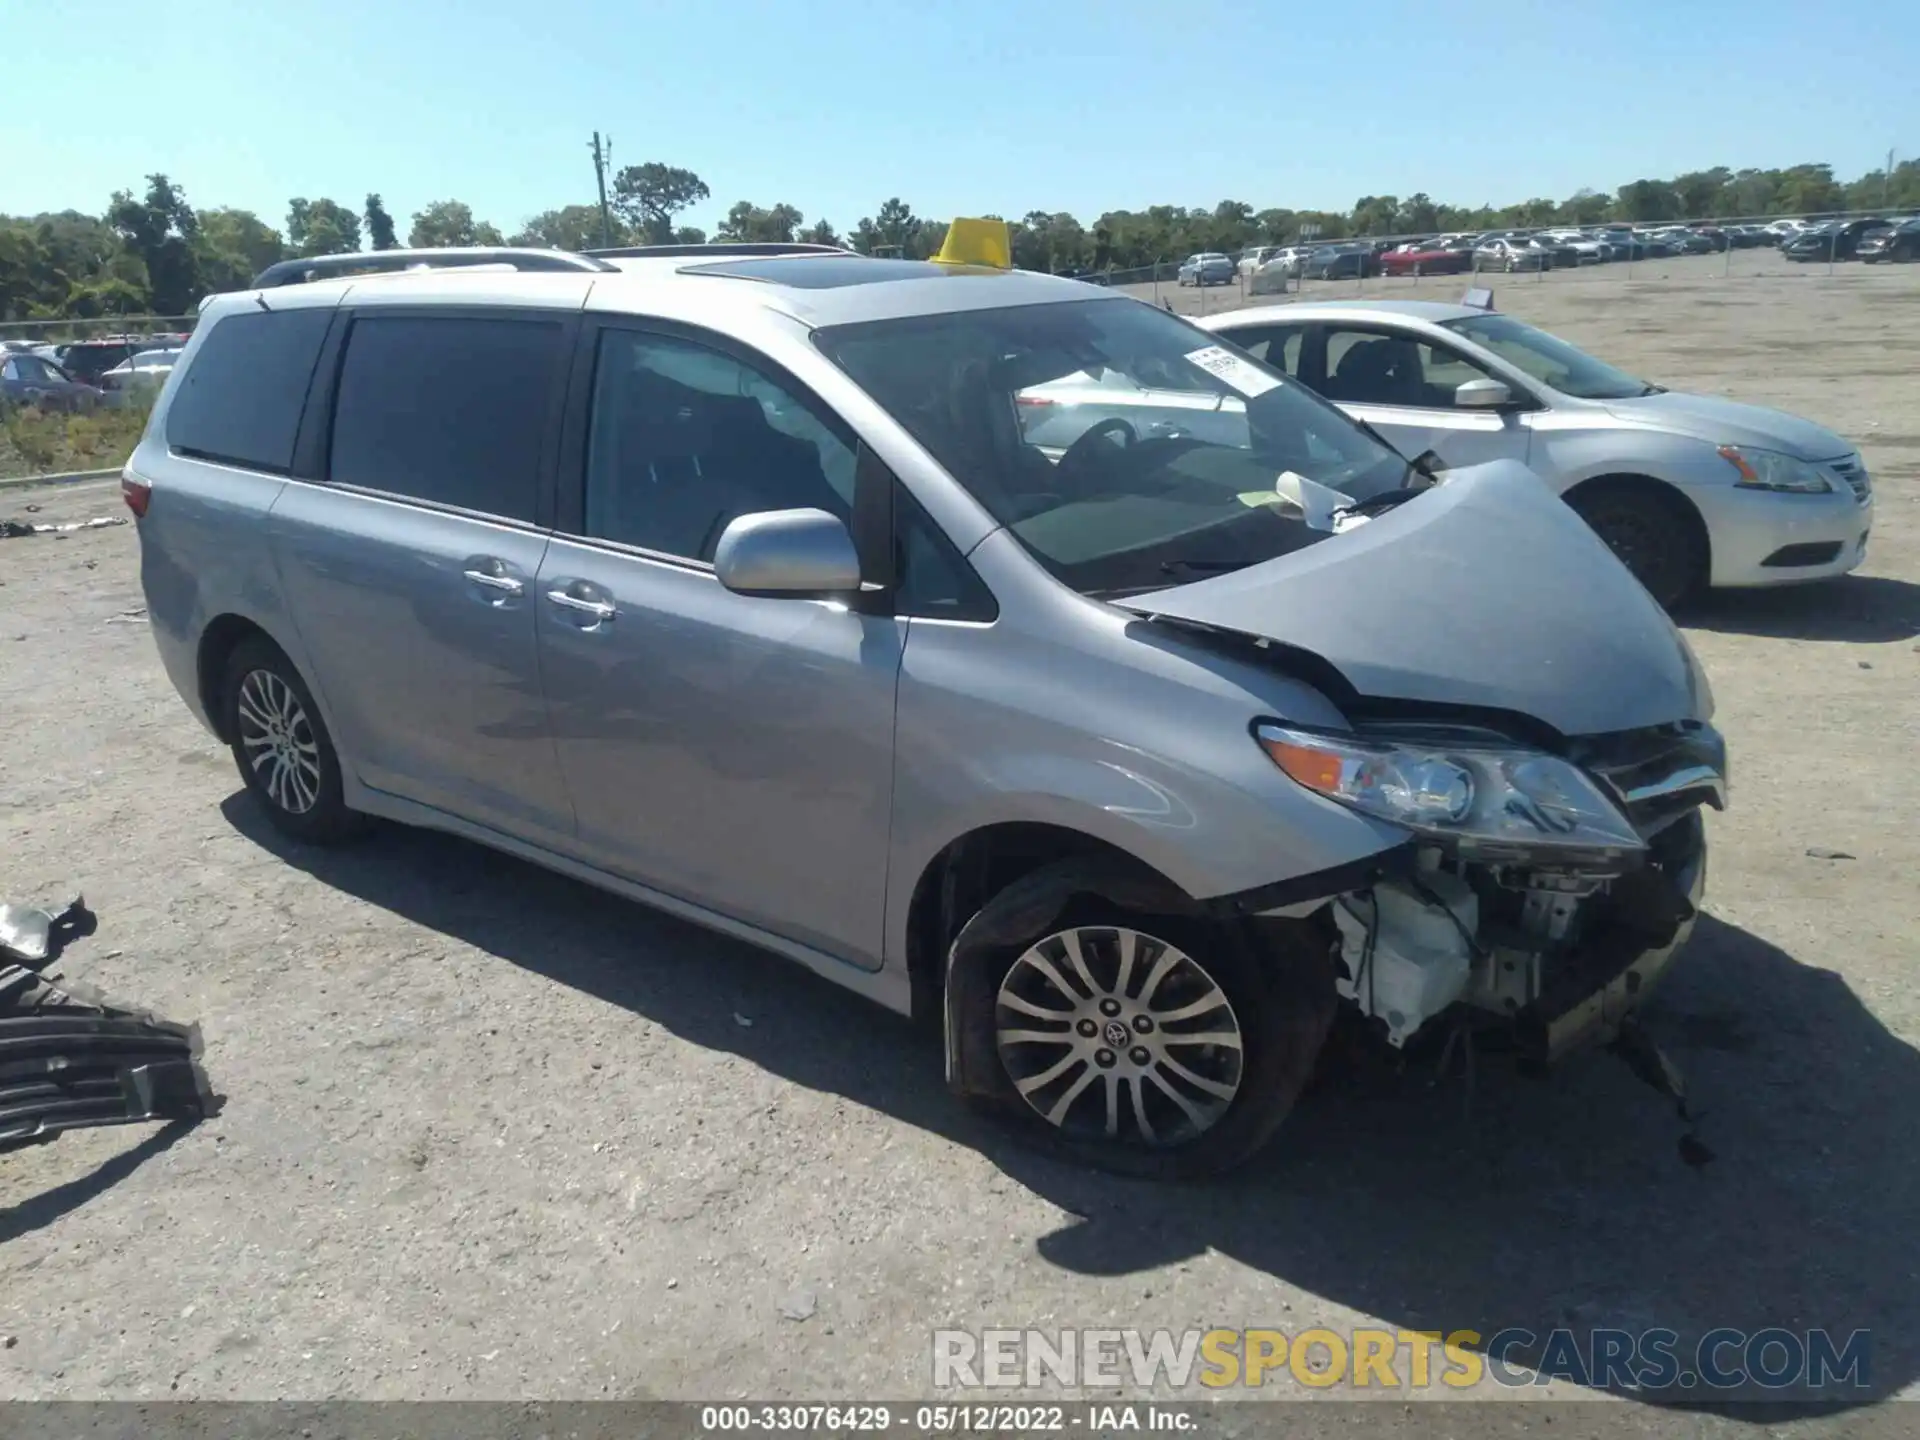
<point x="1482" y="394"/>
<point x="796" y="553"/>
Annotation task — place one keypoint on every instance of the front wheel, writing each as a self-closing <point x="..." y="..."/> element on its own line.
<point x="1652" y="534"/>
<point x="282" y="748"/>
<point x="1157" y="1046"/>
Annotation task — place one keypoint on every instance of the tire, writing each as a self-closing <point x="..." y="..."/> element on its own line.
<point x="281" y="746"/>
<point x="1279" y="1005"/>
<point x="1653" y="534"/>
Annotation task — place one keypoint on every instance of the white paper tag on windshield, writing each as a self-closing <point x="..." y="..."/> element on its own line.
<point x="1249" y="380"/>
<point x="1319" y="504"/>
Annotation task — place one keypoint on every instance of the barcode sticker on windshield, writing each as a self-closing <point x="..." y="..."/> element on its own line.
<point x="1249" y="380"/>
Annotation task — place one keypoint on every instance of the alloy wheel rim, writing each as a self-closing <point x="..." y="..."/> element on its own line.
<point x="277" y="738"/>
<point x="1638" y="546"/>
<point x="1113" y="1034"/>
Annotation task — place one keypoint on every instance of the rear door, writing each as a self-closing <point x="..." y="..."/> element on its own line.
<point x="409" y="558"/>
<point x="733" y="752"/>
<point x="1403" y="386"/>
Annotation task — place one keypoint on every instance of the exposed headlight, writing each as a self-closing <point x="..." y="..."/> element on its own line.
<point x="1772" y="470"/>
<point x="1487" y="798"/>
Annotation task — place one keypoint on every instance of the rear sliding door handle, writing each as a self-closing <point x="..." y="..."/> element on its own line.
<point x="598" y="609"/>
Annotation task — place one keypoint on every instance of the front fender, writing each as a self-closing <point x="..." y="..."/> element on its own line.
<point x="1567" y="459"/>
<point x="1154" y="758"/>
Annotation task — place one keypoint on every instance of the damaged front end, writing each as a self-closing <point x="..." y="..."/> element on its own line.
<point x="1542" y="892"/>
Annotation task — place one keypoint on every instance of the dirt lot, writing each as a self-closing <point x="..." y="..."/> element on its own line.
<point x="493" y="1135"/>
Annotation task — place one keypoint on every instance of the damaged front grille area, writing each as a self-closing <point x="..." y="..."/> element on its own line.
<point x="1558" y="955"/>
<point x="1561" y="952"/>
<point x="1658" y="775"/>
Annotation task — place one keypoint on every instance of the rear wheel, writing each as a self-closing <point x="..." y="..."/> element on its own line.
<point x="282" y="748"/>
<point x="1653" y="534"/>
<point x="1159" y="1046"/>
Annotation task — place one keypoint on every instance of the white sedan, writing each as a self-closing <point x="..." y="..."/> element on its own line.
<point x="138" y="378"/>
<point x="1688" y="490"/>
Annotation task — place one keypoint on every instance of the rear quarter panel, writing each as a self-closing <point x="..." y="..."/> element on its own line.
<point x="204" y="554"/>
<point x="203" y="541"/>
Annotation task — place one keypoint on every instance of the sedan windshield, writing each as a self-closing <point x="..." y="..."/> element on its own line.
<point x="1549" y="359"/>
<point x="1126" y="449"/>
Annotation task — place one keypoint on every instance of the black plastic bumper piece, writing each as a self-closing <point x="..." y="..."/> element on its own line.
<point x="70" y="1059"/>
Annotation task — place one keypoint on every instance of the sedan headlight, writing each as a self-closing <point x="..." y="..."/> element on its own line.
<point x="1772" y="470"/>
<point x="1486" y="799"/>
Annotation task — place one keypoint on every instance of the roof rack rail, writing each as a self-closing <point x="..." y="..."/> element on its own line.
<point x="720" y="248"/>
<point x="326" y="267"/>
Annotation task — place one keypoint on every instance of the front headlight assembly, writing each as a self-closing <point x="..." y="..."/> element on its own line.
<point x="1773" y="470"/>
<point x="1484" y="799"/>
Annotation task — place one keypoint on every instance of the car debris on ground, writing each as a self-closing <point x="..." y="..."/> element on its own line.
<point x="18" y="529"/>
<point x="72" y="1059"/>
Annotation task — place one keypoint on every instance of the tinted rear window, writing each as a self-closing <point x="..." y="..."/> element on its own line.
<point x="239" y="402"/>
<point x="448" y="410"/>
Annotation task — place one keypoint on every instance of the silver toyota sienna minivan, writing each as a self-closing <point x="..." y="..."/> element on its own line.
<point x="733" y="583"/>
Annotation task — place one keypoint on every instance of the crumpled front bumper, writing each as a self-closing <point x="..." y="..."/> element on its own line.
<point x="1650" y="917"/>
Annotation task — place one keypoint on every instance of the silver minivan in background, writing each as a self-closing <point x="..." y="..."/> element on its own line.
<point x="733" y="584"/>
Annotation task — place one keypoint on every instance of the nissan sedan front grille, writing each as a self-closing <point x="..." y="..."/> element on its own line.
<point x="1849" y="469"/>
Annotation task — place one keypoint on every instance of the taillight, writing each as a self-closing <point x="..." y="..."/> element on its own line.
<point x="1036" y="401"/>
<point x="137" y="493"/>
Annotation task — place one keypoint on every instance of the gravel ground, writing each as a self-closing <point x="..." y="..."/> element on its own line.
<point x="492" y="1135"/>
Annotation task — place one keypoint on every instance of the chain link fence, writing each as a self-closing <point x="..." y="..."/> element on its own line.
<point x="104" y="327"/>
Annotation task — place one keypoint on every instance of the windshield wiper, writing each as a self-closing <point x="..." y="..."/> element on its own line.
<point x="1203" y="567"/>
<point x="1652" y="390"/>
<point x="1386" y="500"/>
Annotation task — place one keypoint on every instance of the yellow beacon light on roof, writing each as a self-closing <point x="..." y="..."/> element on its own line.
<point x="977" y="242"/>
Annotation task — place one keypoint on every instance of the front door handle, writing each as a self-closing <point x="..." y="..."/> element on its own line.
<point x="505" y="584"/>
<point x="598" y="609"/>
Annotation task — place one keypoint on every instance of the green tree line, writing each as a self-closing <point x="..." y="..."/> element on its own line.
<point x="151" y="252"/>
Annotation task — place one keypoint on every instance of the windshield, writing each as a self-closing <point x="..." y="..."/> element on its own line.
<point x="1126" y="449"/>
<point x="1549" y="359"/>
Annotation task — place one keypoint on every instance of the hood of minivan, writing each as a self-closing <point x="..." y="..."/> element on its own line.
<point x="1486" y="591"/>
<point x="1728" y="422"/>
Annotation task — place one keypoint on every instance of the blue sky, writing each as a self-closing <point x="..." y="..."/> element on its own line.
<point x="959" y="108"/>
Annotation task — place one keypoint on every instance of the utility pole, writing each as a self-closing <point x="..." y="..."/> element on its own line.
<point x="601" y="157"/>
<point x="1886" y="181"/>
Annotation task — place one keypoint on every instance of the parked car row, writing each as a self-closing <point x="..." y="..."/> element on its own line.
<point x="1267" y="268"/>
<point x="83" y="375"/>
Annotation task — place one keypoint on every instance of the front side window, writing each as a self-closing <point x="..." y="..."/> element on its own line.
<point x="685" y="439"/>
<point x="446" y="409"/>
<point x="1549" y="359"/>
<point x="1123" y="447"/>
<point x="1367" y="367"/>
